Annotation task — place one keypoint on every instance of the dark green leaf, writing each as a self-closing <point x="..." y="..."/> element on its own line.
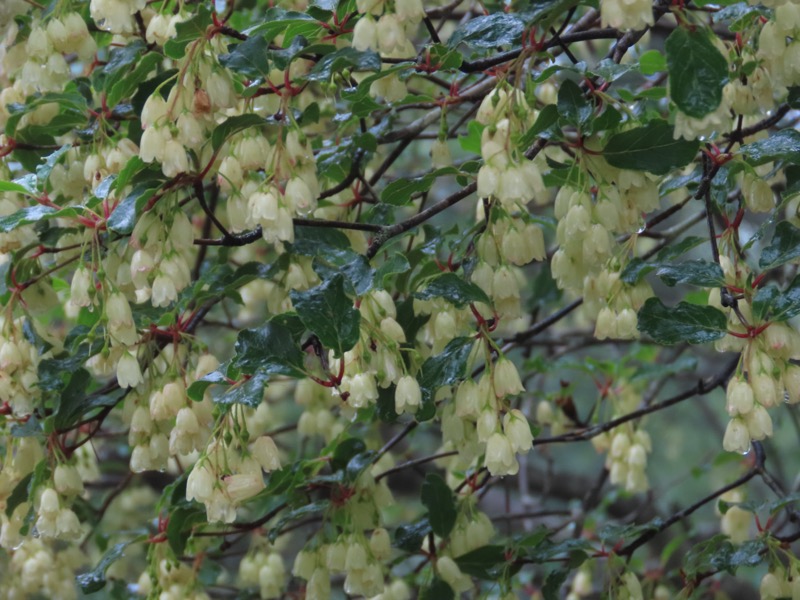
<point x="770" y="304"/>
<point x="188" y="31"/>
<point x="491" y="31"/>
<point x="198" y="388"/>
<point x="346" y="450"/>
<point x="19" y="494"/>
<point x="127" y="85"/>
<point x="25" y="216"/>
<point x="438" y="498"/>
<point x="179" y="526"/>
<point x="437" y="589"/>
<point x="572" y="104"/>
<point x="650" y="148"/>
<point x="486" y="562"/>
<point x="95" y="579"/>
<point x="400" y="191"/>
<point x="782" y="145"/>
<point x="719" y="554"/>
<point x="295" y="515"/>
<point x="685" y="322"/>
<point x="545" y="122"/>
<point x="697" y="71"/>
<point x="249" y="392"/>
<point x="410" y="537"/>
<point x="233" y="125"/>
<point x="249" y="58"/>
<point x="329" y="313"/>
<point x="553" y="583"/>
<point x="454" y="289"/>
<point x="784" y="247"/>
<point x="346" y="58"/>
<point x="693" y="272"/>
<point x="43" y="171"/>
<point x="446" y="368"/>
<point x="397" y="263"/>
<point x="123" y="219"/>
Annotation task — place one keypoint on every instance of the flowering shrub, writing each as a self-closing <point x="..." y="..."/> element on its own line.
<point x="291" y="290"/>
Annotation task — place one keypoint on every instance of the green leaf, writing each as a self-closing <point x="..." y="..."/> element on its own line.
<point x="438" y="498"/>
<point x="249" y="58"/>
<point x="410" y="537"/>
<point x="270" y="348"/>
<point x="13" y="186"/>
<point x="278" y="20"/>
<point x="123" y="219"/>
<point x="454" y="289"/>
<point x="685" y="322"/>
<point x="650" y="148"/>
<point x="652" y="62"/>
<point x="400" y="191"/>
<point x="95" y="579"/>
<point x="295" y="515"/>
<point x="544" y="126"/>
<point x="329" y="313"/>
<point x="43" y="171"/>
<point x="472" y="141"/>
<point x="187" y="31"/>
<point x="770" y="304"/>
<point x="345" y="450"/>
<point x="127" y="85"/>
<point x="693" y="272"/>
<point x="784" y="247"/>
<point x="446" y="368"/>
<point x="249" y="392"/>
<point x="437" y="589"/>
<point x="397" y="263"/>
<point x="491" y="31"/>
<point x="486" y="562"/>
<point x="782" y="145"/>
<point x="19" y="494"/>
<point x="346" y="58"/>
<point x="233" y="125"/>
<point x="697" y="71"/>
<point x="197" y="389"/>
<point x="719" y="554"/>
<point x="179" y="526"/>
<point x="572" y="104"/>
<point x="552" y="585"/>
<point x="24" y="216"/>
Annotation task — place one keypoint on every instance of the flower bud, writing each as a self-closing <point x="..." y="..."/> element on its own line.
<point x="408" y="395"/>
<point x="518" y="431"/>
<point x="506" y="379"/>
<point x="737" y="437"/>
